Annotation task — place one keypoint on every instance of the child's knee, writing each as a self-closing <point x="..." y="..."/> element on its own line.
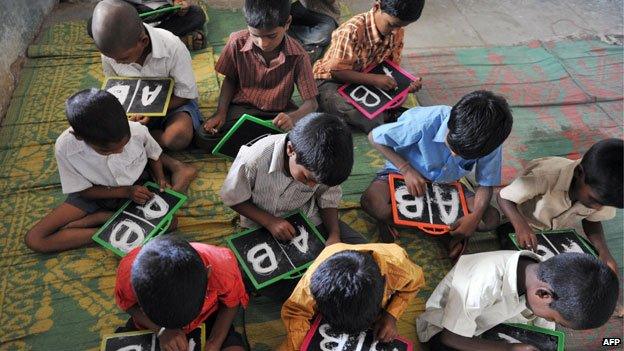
<point x="34" y="241"/>
<point x="178" y="140"/>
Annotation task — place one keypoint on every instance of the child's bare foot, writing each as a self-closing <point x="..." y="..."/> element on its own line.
<point x="182" y="174"/>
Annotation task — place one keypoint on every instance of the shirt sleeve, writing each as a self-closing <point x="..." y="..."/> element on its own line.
<point x="226" y="64"/>
<point x="488" y="168"/>
<point x="606" y="213"/>
<point x="397" y="48"/>
<point x="297" y="312"/>
<point x="406" y="279"/>
<point x="124" y="295"/>
<point x="397" y="134"/>
<point x="305" y="78"/>
<point x="152" y="149"/>
<point x="341" y="54"/>
<point x="234" y="293"/>
<point x="107" y="67"/>
<point x="71" y="179"/>
<point x="185" y="85"/>
<point x="240" y="180"/>
<point x="523" y="189"/>
<point x="330" y="197"/>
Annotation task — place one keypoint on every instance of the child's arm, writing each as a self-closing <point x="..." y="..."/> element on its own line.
<point x="468" y="224"/>
<point x="297" y="313"/>
<point x="279" y="227"/>
<point x="176" y="102"/>
<point x="156" y="166"/>
<point x="462" y="343"/>
<point x="330" y="221"/>
<point x="221" y="326"/>
<point x="286" y="121"/>
<point x="380" y="81"/>
<point x="595" y="234"/>
<point x="416" y="183"/>
<point x="216" y="121"/>
<point x="524" y="234"/>
<point x="170" y="339"/>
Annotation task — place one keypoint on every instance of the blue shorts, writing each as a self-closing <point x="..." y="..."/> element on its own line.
<point x="191" y="107"/>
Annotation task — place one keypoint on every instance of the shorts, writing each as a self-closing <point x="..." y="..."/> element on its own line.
<point x="92" y="206"/>
<point x="191" y="107"/>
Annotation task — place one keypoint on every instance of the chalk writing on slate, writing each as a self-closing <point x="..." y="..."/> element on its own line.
<point x="551" y="243"/>
<point x="135" y="224"/>
<point x="441" y="206"/>
<point x="543" y="339"/>
<point x="147" y="341"/>
<point x="322" y="338"/>
<point x="266" y="260"/>
<point x="372" y="101"/>
<point x="246" y="131"/>
<point x="141" y="96"/>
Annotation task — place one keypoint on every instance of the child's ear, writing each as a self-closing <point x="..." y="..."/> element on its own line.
<point x="290" y="150"/>
<point x="545" y="295"/>
<point x="579" y="172"/>
<point x="288" y="22"/>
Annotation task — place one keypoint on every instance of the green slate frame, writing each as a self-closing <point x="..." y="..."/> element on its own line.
<point x="292" y="274"/>
<point x="217" y="149"/>
<point x="583" y="241"/>
<point x="162" y="226"/>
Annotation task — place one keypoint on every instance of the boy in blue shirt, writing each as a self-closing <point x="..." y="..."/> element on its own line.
<point x="443" y="144"/>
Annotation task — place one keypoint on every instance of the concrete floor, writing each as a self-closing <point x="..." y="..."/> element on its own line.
<point x="461" y="23"/>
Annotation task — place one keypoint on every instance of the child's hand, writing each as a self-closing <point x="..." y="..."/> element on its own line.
<point x="163" y="184"/>
<point x="384" y="82"/>
<point x="281" y="229"/>
<point x="522" y="347"/>
<point x="415" y="85"/>
<point x="213" y="123"/>
<point x="139" y="118"/>
<point x="173" y="340"/>
<point x="332" y="239"/>
<point x="283" y="121"/>
<point x="139" y="194"/>
<point x="385" y="328"/>
<point x="465" y="226"/>
<point x="185" y="6"/>
<point x="415" y="182"/>
<point x="526" y="238"/>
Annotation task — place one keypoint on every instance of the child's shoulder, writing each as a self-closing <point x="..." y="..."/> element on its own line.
<point x="261" y="151"/>
<point x="544" y="166"/>
<point x="429" y="117"/>
<point x="65" y="141"/>
<point x="355" y="25"/>
<point x="239" y="38"/>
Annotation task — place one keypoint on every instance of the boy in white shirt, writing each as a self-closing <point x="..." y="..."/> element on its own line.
<point x="483" y="290"/>
<point x="132" y="49"/>
<point x="100" y="159"/>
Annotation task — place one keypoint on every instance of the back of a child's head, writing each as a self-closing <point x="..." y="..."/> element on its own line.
<point x="479" y="123"/>
<point x="324" y="146"/>
<point x="170" y="281"/>
<point x="585" y="289"/>
<point x="404" y="10"/>
<point x="266" y="14"/>
<point x="97" y="117"/>
<point x="115" y="26"/>
<point x="602" y="166"/>
<point x="348" y="289"/>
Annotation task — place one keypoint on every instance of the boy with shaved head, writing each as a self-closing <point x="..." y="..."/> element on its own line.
<point x="132" y="49"/>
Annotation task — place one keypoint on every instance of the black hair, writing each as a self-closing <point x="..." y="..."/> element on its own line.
<point x="170" y="281"/>
<point x="97" y="117"/>
<point x="348" y="289"/>
<point x="585" y="289"/>
<point x="324" y="146"/>
<point x="602" y="166"/>
<point x="115" y="26"/>
<point x="405" y="10"/>
<point x="479" y="123"/>
<point x="266" y="14"/>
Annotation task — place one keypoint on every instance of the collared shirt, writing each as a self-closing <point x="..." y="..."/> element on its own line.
<point x="258" y="174"/>
<point x="357" y="44"/>
<point x="225" y="284"/>
<point x="403" y="280"/>
<point x="480" y="292"/>
<point x="542" y="195"/>
<point x="419" y="136"/>
<point x="80" y="167"/>
<point x="266" y="86"/>
<point x="168" y="58"/>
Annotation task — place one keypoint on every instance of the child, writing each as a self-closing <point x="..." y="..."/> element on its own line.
<point x="171" y="287"/>
<point x="300" y="170"/>
<point x="483" y="290"/>
<point x="354" y="287"/>
<point x="443" y="144"/>
<point x="132" y="49"/>
<point x="100" y="158"/>
<point x="261" y="66"/>
<point x="366" y="39"/>
<point x="313" y="22"/>
<point x="186" y="23"/>
<point x="557" y="193"/>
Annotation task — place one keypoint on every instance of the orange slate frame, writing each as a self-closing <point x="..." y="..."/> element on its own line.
<point x="433" y="229"/>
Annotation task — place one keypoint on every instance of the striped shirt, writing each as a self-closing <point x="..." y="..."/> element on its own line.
<point x="266" y="87"/>
<point x="357" y="44"/>
<point x="258" y="174"/>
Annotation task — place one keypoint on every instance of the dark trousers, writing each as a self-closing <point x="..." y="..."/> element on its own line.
<point x="194" y="19"/>
<point x="309" y="27"/>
